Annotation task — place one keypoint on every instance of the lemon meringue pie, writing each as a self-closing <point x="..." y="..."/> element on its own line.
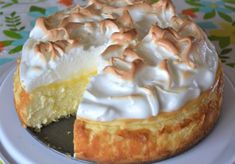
<point x="144" y="83"/>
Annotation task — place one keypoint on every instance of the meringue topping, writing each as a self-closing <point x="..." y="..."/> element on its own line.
<point x="148" y="59"/>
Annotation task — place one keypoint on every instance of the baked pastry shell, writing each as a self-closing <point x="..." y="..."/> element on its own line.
<point x="21" y="97"/>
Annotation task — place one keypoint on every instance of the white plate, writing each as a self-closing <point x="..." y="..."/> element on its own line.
<point x="218" y="147"/>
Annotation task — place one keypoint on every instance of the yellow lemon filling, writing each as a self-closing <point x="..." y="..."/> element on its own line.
<point x="51" y="102"/>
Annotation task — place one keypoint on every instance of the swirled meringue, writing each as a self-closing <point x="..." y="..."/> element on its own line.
<point x="148" y="59"/>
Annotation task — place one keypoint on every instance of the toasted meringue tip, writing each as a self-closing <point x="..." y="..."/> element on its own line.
<point x="111" y="49"/>
<point x="127" y="36"/>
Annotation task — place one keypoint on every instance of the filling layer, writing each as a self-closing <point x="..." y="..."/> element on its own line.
<point x="51" y="102"/>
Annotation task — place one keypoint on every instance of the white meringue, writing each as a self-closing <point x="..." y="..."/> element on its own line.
<point x="148" y="59"/>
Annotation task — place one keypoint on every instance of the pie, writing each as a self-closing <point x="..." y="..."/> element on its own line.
<point x="144" y="83"/>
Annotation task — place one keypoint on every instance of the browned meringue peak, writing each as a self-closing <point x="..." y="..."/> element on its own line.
<point x="173" y="42"/>
<point x="124" y="23"/>
<point x="123" y="51"/>
<point x="164" y="65"/>
<point x="52" y="50"/>
<point x="124" y="37"/>
<point x="51" y="34"/>
<point x="126" y="65"/>
<point x="164" y="5"/>
<point x="112" y="51"/>
<point x="125" y="20"/>
<point x="130" y="55"/>
<point x="186" y="27"/>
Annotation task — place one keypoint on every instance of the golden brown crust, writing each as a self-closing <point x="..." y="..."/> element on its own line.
<point x="21" y="97"/>
<point x="131" y="141"/>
